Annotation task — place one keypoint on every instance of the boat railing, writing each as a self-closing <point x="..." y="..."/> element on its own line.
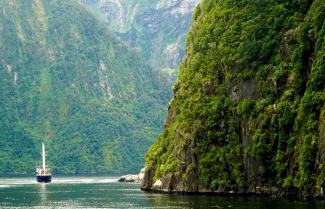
<point x="41" y="171"/>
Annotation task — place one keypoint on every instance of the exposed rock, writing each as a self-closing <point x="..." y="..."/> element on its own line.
<point x="250" y="164"/>
<point x="184" y="152"/>
<point x="141" y="174"/>
<point x="146" y="183"/>
<point x="169" y="117"/>
<point x="167" y="184"/>
<point x="286" y="46"/>
<point x="245" y="89"/>
<point x="130" y="178"/>
<point x="137" y="178"/>
<point x="189" y="183"/>
<point x="209" y="88"/>
<point x="158" y="185"/>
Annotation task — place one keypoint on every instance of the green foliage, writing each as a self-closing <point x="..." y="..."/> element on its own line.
<point x="67" y="81"/>
<point x="156" y="29"/>
<point x="253" y="79"/>
<point x="245" y="107"/>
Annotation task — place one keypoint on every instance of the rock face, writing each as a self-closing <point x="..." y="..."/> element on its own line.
<point x="248" y="109"/>
<point x="166" y="184"/>
<point x="137" y="178"/>
<point x="130" y="178"/>
<point x="156" y="29"/>
<point x="147" y="181"/>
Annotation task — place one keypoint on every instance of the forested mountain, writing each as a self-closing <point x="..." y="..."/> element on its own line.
<point x="66" y="80"/>
<point x="248" y="113"/>
<point x="154" y="28"/>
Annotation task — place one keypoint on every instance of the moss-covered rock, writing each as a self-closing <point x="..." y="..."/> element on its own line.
<point x="246" y="114"/>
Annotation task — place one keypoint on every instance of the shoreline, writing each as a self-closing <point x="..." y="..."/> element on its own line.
<point x="234" y="194"/>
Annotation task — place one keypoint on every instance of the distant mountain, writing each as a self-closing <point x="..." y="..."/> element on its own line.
<point x="155" y="28"/>
<point x="66" y="80"/>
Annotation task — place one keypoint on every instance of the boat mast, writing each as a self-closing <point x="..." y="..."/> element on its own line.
<point x="43" y="155"/>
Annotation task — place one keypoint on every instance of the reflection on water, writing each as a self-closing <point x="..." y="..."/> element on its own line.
<point x="7" y="182"/>
<point x="106" y="192"/>
<point x="42" y="193"/>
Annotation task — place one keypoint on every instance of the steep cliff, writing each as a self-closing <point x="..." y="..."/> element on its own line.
<point x="66" y="80"/>
<point x="248" y="109"/>
<point x="155" y="28"/>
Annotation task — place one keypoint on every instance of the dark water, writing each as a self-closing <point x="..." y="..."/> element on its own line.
<point x="106" y="192"/>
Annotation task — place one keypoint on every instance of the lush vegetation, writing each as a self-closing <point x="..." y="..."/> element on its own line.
<point x="248" y="109"/>
<point x="67" y="81"/>
<point x="154" y="28"/>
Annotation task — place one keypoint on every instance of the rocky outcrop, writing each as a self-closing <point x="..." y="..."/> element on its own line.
<point x="248" y="112"/>
<point x="166" y="184"/>
<point x="136" y="178"/>
<point x="130" y="178"/>
<point x="157" y="26"/>
<point x="171" y="184"/>
<point x="245" y="89"/>
<point x="147" y="180"/>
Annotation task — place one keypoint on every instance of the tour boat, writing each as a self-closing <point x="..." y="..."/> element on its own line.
<point x="43" y="173"/>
